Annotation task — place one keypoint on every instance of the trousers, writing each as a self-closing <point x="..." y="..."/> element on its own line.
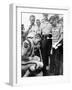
<point x="46" y="45"/>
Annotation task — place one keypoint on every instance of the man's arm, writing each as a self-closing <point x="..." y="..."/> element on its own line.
<point x="61" y="34"/>
<point x="61" y="37"/>
<point x="26" y="32"/>
<point x="25" y="58"/>
<point x="58" y="43"/>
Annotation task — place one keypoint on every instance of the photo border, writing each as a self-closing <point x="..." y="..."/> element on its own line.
<point x="15" y="62"/>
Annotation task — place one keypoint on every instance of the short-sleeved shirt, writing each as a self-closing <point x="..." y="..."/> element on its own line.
<point x="38" y="31"/>
<point x="46" y="27"/>
<point x="56" y="33"/>
<point x="34" y="30"/>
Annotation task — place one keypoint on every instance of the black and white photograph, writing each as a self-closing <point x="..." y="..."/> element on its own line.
<point x="41" y="44"/>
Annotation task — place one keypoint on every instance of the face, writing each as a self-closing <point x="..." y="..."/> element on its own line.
<point x="38" y="22"/>
<point x="36" y="40"/>
<point x="55" y="20"/>
<point x="51" y="21"/>
<point x="32" y="20"/>
<point x="45" y="16"/>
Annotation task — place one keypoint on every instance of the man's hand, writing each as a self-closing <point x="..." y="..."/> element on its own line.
<point x="56" y="45"/>
<point x="30" y="58"/>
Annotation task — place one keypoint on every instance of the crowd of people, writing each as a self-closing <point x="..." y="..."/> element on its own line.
<point x="42" y="46"/>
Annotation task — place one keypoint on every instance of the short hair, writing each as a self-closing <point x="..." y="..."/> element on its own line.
<point x="45" y="14"/>
<point x="37" y="19"/>
<point x="56" y="16"/>
<point x="32" y="16"/>
<point x="52" y="18"/>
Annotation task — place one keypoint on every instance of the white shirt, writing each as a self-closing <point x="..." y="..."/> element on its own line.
<point x="46" y="27"/>
<point x="34" y="30"/>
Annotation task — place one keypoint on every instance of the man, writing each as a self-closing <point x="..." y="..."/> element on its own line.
<point x="32" y="26"/>
<point x="30" y="61"/>
<point x="46" y="44"/>
<point x="61" y="47"/>
<point x="52" y="61"/>
<point x="38" y="24"/>
<point x="57" y="33"/>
